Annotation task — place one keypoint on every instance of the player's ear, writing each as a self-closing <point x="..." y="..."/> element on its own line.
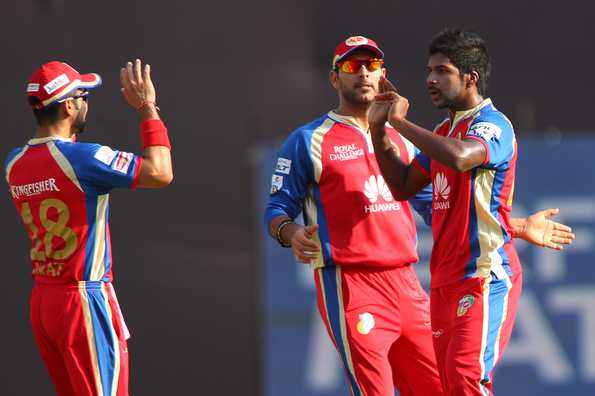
<point x="333" y="77"/>
<point x="384" y="72"/>
<point x="473" y="78"/>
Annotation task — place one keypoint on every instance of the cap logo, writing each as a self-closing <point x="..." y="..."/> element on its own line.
<point x="32" y="87"/>
<point x="56" y="83"/>
<point x="356" y="40"/>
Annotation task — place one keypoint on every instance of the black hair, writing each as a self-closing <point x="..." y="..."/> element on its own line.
<point x="467" y="51"/>
<point x="44" y="115"/>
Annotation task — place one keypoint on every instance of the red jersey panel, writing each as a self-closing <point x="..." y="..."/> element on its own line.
<point x="471" y="210"/>
<point x="328" y="169"/>
<point x="60" y="189"/>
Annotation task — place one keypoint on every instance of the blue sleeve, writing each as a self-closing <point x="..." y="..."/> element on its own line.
<point x="495" y="132"/>
<point x="100" y="168"/>
<point x="10" y="157"/>
<point x="422" y="162"/>
<point x="291" y="177"/>
<point x="422" y="204"/>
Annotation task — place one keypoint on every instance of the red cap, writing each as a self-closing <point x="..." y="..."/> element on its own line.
<point x="353" y="43"/>
<point x="55" y="81"/>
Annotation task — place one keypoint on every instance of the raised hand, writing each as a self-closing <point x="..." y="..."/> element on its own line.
<point x="137" y="87"/>
<point x="399" y="104"/>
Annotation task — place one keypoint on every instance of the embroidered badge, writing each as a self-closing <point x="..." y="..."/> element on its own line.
<point x="464" y="304"/>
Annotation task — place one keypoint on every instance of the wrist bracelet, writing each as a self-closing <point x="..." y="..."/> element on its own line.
<point x="280" y="227"/>
<point x="147" y="102"/>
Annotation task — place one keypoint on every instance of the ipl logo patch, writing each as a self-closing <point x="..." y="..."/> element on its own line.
<point x="366" y="323"/>
<point x="464" y="304"/>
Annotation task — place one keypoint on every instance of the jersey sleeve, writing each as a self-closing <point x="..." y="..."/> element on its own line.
<point x="101" y="168"/>
<point x="497" y="136"/>
<point x="422" y="204"/>
<point x="422" y="162"/>
<point x="291" y="177"/>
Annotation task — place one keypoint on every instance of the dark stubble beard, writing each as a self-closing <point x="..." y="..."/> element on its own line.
<point x="350" y="96"/>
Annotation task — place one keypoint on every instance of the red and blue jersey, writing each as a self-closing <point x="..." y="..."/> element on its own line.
<point x="471" y="210"/>
<point x="327" y="170"/>
<point x="61" y="190"/>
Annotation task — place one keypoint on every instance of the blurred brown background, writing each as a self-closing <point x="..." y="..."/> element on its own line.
<point x="230" y="75"/>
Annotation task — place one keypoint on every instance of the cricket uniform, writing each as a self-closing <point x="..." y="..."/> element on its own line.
<point x="476" y="273"/>
<point x="372" y="304"/>
<point x="61" y="190"/>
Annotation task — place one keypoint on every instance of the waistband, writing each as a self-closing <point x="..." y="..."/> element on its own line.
<point x="80" y="285"/>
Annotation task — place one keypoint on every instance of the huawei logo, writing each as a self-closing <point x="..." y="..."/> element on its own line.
<point x="441" y="187"/>
<point x="441" y="192"/>
<point x="376" y="186"/>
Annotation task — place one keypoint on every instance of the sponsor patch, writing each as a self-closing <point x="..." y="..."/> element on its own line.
<point x="366" y="323"/>
<point x="283" y="165"/>
<point x="276" y="183"/>
<point x="485" y="130"/>
<point x="356" y="40"/>
<point x="464" y="304"/>
<point x="56" y="83"/>
<point x="122" y="162"/>
<point x="33" y="87"/>
<point x="105" y="155"/>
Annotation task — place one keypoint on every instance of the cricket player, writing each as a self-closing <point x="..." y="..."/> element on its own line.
<point x="470" y="159"/>
<point x="359" y="239"/>
<point x="60" y="189"/>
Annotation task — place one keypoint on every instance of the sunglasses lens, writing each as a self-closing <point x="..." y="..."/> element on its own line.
<point x="374" y="64"/>
<point x="348" y="66"/>
<point x="353" y="65"/>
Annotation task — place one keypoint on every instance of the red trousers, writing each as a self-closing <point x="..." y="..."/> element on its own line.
<point x="379" y="321"/>
<point x="472" y="323"/>
<point x="82" y="338"/>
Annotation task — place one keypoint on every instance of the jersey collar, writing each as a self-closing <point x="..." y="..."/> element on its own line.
<point x="34" y="141"/>
<point x="348" y="120"/>
<point x="459" y="115"/>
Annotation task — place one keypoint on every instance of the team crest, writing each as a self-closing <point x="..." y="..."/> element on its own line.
<point x="366" y="323"/>
<point x="464" y="304"/>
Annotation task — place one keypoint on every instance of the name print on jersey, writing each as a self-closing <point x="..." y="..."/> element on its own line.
<point x="374" y="188"/>
<point x="346" y="152"/>
<point x="35" y="188"/>
<point x="441" y="192"/>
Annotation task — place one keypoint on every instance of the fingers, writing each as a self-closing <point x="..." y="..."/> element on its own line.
<point x="386" y="97"/>
<point x="553" y="246"/>
<point x="137" y="72"/>
<point x="311" y="229"/>
<point x="147" y="73"/>
<point x="561" y="227"/>
<point x="388" y="86"/>
<point x="550" y="212"/>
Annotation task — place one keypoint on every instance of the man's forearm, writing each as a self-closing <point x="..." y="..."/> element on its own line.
<point x="453" y="153"/>
<point x="393" y="169"/>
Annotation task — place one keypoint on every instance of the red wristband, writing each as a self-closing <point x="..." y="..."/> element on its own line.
<point x="154" y="133"/>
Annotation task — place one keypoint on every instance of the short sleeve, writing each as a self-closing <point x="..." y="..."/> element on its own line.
<point x="497" y="136"/>
<point x="292" y="175"/>
<point x="101" y="168"/>
<point x="422" y="162"/>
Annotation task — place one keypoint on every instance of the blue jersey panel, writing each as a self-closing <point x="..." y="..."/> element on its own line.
<point x="293" y="174"/>
<point x="496" y="131"/>
<point x="422" y="204"/>
<point x="99" y="168"/>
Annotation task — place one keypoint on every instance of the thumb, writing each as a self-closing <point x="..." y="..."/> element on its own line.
<point x="311" y="229"/>
<point x="551" y="212"/>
